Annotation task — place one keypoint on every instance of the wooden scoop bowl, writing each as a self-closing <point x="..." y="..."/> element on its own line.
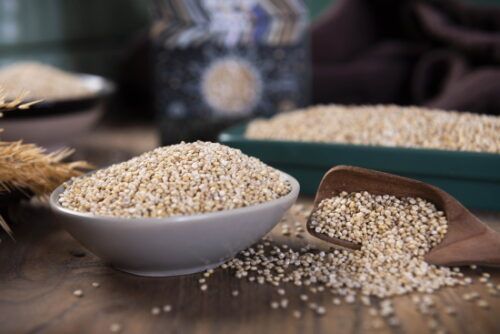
<point x="468" y="240"/>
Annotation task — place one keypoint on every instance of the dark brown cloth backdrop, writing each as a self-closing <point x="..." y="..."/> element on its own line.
<point x="443" y="54"/>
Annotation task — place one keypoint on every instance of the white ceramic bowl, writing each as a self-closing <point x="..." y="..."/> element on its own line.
<point x="51" y="123"/>
<point x="175" y="245"/>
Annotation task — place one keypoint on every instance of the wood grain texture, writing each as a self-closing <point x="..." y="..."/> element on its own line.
<point x="40" y="271"/>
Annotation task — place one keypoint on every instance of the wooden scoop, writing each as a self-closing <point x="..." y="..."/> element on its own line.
<point x="468" y="240"/>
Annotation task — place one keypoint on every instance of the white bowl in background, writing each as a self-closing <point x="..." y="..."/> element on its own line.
<point x="52" y="123"/>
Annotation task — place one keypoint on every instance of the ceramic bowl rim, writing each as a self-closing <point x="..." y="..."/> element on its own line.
<point x="291" y="196"/>
<point x="67" y="106"/>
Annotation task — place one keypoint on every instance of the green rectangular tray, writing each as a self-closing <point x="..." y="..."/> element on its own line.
<point x="472" y="178"/>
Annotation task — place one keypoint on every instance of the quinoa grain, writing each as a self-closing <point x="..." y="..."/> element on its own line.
<point x="483" y="303"/>
<point x="115" y="328"/>
<point x="320" y="310"/>
<point x="349" y="275"/>
<point x="395" y="234"/>
<point x="182" y="179"/>
<point x="78" y="293"/>
<point x="383" y="125"/>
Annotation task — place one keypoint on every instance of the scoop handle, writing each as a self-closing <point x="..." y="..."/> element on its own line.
<point x="468" y="240"/>
<point x="482" y="249"/>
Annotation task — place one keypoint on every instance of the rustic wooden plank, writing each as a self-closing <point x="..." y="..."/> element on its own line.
<point x="40" y="271"/>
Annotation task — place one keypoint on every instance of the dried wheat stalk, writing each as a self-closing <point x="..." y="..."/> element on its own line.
<point x="28" y="168"/>
<point x="17" y="103"/>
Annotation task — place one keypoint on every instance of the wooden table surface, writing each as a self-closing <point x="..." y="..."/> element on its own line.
<point x="41" y="270"/>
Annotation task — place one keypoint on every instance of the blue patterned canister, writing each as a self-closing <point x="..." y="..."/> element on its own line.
<point x="223" y="61"/>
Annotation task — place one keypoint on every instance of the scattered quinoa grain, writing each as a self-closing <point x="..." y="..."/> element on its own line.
<point x="78" y="293"/>
<point x="451" y="310"/>
<point x="427" y="300"/>
<point x="284" y="303"/>
<point x="115" y="327"/>
<point x="333" y="270"/>
<point x="350" y="299"/>
<point x="320" y="310"/>
<point x="393" y="321"/>
<point x="155" y="310"/>
<point x="433" y="324"/>
<point x="471" y="296"/>
<point x="483" y="303"/>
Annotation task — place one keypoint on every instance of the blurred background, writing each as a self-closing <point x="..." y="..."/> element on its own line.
<point x="119" y="77"/>
<point x="284" y="55"/>
<point x="83" y="36"/>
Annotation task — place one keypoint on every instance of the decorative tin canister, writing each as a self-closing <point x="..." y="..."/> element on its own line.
<point x="219" y="62"/>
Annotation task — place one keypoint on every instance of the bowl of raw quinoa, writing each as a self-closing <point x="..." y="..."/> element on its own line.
<point x="62" y="104"/>
<point x="175" y="210"/>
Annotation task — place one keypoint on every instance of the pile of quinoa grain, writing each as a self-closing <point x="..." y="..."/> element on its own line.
<point x="182" y="179"/>
<point x="383" y="125"/>
<point x="360" y="216"/>
<point x="39" y="81"/>
<point x="389" y="264"/>
<point x="395" y="234"/>
<point x="309" y="277"/>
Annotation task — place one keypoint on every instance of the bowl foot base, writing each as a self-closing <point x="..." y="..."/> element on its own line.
<point x="169" y="272"/>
